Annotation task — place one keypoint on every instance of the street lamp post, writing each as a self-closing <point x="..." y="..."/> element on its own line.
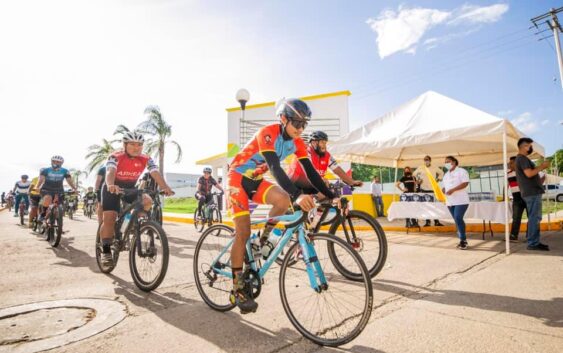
<point x="243" y="96"/>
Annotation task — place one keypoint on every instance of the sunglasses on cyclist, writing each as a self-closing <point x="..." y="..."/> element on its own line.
<point x="298" y="123"/>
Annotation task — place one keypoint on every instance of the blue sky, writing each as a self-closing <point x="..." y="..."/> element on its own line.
<point x="72" y="70"/>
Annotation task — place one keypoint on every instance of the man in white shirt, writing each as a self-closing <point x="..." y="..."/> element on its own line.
<point x="424" y="182"/>
<point x="21" y="188"/>
<point x="376" y="195"/>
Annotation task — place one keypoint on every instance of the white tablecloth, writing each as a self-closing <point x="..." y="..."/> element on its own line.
<point x="477" y="211"/>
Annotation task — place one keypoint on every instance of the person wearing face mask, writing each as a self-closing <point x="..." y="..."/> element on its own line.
<point x="531" y="189"/>
<point x="409" y="184"/>
<point x="425" y="186"/>
<point x="455" y="183"/>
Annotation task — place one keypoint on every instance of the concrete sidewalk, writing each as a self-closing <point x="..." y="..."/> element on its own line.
<point x="430" y="297"/>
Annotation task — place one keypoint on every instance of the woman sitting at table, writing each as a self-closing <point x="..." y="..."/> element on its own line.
<point x="409" y="185"/>
<point x="455" y="183"/>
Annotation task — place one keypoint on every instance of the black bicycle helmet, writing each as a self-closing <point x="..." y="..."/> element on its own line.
<point x="317" y="136"/>
<point x="294" y="108"/>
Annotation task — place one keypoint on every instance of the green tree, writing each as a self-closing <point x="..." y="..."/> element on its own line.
<point x="75" y="174"/>
<point x="98" y="154"/>
<point x="160" y="130"/>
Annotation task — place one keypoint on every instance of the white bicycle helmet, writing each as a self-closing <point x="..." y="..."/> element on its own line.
<point x="58" y="159"/>
<point x="133" y="136"/>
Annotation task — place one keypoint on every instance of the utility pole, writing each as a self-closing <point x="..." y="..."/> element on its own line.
<point x="550" y="19"/>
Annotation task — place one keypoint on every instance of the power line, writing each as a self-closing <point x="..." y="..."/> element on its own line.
<point x="440" y="69"/>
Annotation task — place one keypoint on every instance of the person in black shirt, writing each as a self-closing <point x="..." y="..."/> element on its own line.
<point x="531" y="189"/>
<point x="410" y="184"/>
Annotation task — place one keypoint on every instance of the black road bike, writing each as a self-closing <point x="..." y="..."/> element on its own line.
<point x="210" y="213"/>
<point x="145" y="240"/>
<point x="357" y="228"/>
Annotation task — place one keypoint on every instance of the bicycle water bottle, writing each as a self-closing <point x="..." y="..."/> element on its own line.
<point x="273" y="239"/>
<point x="255" y="245"/>
<point x="125" y="223"/>
<point x="318" y="214"/>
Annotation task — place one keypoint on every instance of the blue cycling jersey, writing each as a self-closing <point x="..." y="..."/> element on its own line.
<point x="54" y="179"/>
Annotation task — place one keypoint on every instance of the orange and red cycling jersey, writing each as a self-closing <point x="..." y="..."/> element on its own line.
<point x="245" y="172"/>
<point x="129" y="169"/>
<point x="250" y="162"/>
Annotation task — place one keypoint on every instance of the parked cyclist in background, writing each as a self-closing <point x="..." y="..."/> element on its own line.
<point x="123" y="169"/>
<point x="265" y="151"/>
<point x="51" y="183"/>
<point x="34" y="198"/>
<point x="204" y="185"/>
<point x="21" y="188"/>
<point x="100" y="180"/>
<point x="321" y="160"/>
<point x="410" y="184"/>
<point x="424" y="182"/>
<point x="3" y="201"/>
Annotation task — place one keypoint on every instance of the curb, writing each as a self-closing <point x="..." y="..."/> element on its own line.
<point x="471" y="228"/>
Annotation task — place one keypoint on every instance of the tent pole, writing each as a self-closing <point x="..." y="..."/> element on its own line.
<point x="395" y="180"/>
<point x="505" y="159"/>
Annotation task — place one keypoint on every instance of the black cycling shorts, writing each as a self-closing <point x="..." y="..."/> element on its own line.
<point x="112" y="202"/>
<point x="34" y="200"/>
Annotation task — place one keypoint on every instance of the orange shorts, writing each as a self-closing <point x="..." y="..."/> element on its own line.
<point x="241" y="189"/>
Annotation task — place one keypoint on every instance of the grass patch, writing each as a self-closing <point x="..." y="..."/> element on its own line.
<point x="180" y="205"/>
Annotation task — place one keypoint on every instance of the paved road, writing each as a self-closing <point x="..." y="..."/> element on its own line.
<point x="429" y="298"/>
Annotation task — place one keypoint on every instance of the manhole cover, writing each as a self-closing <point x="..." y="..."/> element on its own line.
<point x="40" y="326"/>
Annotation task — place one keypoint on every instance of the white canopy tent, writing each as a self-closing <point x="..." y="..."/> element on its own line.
<point x="435" y="125"/>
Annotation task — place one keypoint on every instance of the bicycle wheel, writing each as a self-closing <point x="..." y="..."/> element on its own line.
<point x="22" y="217"/>
<point x="211" y="248"/>
<point x="99" y="250"/>
<point x="367" y="237"/>
<point x="149" y="256"/>
<point x="217" y="218"/>
<point x="56" y="229"/>
<point x="198" y="221"/>
<point x="336" y="314"/>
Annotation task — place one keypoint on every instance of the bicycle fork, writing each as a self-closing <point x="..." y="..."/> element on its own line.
<point x="316" y="275"/>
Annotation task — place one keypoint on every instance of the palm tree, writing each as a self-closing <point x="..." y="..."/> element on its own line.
<point x="156" y="126"/>
<point x="98" y="154"/>
<point x="75" y="175"/>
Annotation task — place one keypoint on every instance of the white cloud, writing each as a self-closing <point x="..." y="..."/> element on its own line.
<point x="545" y="122"/>
<point x="402" y="30"/>
<point x="526" y="123"/>
<point x="479" y="14"/>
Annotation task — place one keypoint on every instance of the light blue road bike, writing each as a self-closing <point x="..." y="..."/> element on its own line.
<point x="322" y="303"/>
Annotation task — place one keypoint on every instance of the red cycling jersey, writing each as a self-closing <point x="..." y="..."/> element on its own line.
<point x="321" y="164"/>
<point x="129" y="169"/>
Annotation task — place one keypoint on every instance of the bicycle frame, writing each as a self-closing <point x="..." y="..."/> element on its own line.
<point x="314" y="270"/>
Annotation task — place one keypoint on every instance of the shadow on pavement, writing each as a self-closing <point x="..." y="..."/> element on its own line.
<point x="229" y="331"/>
<point x="549" y="311"/>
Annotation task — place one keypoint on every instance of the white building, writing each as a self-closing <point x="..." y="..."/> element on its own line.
<point x="330" y="114"/>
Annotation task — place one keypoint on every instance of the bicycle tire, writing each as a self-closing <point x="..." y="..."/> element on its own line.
<point x="143" y="285"/>
<point x="226" y="305"/>
<point x="199" y="223"/>
<point x="55" y="230"/>
<point x="22" y="217"/>
<point x="115" y="254"/>
<point x="363" y="314"/>
<point x="218" y="218"/>
<point x="373" y="261"/>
